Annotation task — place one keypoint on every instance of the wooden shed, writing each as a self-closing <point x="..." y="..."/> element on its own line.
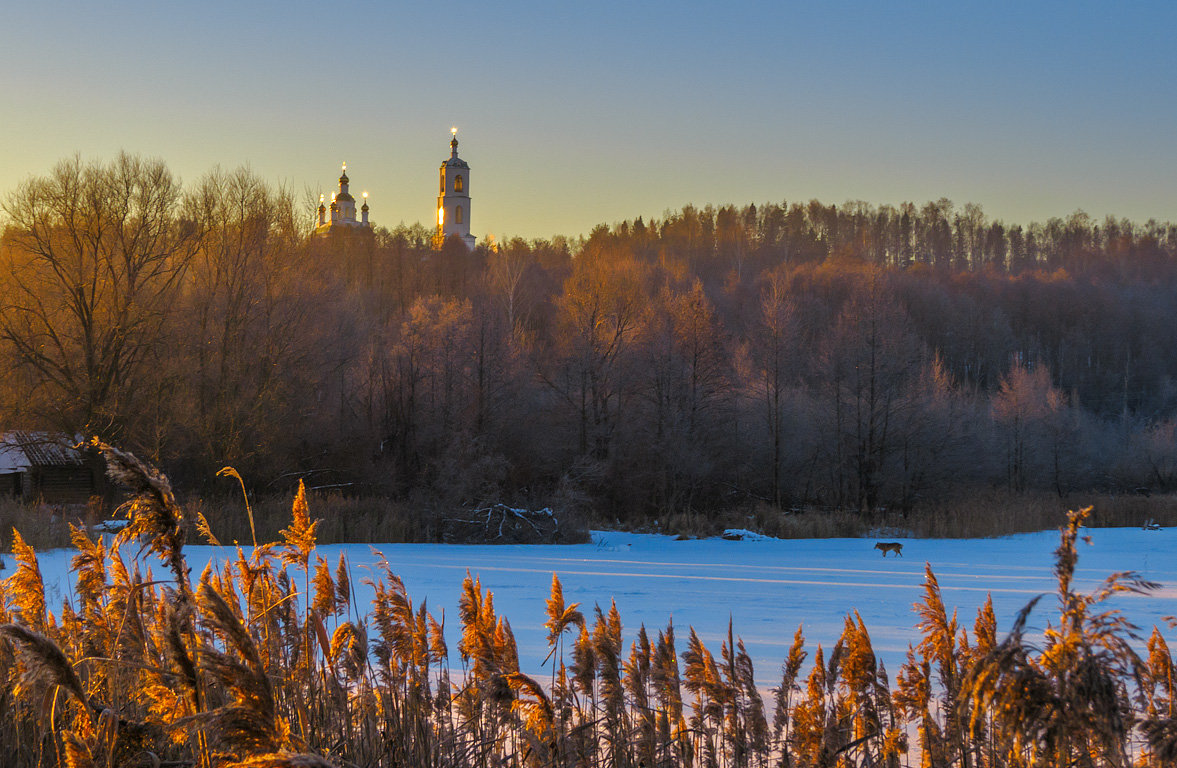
<point x="43" y="466"/>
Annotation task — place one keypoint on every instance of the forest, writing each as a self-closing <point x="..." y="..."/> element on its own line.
<point x="790" y="355"/>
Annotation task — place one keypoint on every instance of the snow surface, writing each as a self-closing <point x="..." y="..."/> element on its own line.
<point x="766" y="586"/>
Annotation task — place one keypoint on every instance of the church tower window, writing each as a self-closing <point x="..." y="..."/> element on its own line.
<point x="458" y="185"/>
<point x="458" y="215"/>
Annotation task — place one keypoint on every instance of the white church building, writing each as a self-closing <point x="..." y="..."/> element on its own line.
<point x="453" y="203"/>
<point x="453" y="199"/>
<point x="342" y="213"/>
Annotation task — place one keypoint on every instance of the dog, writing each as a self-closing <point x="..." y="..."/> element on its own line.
<point x="890" y="546"/>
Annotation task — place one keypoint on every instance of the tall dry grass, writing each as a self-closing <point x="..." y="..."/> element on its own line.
<point x="978" y="515"/>
<point x="342" y="519"/>
<point x="999" y="513"/>
<point x="45" y="526"/>
<point x="269" y="662"/>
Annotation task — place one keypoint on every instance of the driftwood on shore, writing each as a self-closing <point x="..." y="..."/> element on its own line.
<point x="500" y="524"/>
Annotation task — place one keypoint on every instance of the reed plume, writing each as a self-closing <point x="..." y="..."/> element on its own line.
<point x="324" y="603"/>
<point x="77" y="752"/>
<point x="561" y="617"/>
<point x="783" y="694"/>
<point x="45" y="664"/>
<point x="1069" y="700"/>
<point x="299" y="539"/>
<point x="233" y="473"/>
<point x="249" y="724"/>
<point x="342" y="586"/>
<point x="24" y="590"/>
<point x="607" y="651"/>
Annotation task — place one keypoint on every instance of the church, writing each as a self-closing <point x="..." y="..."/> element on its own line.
<point x="453" y="203"/>
<point x="342" y="211"/>
<point x="453" y="199"/>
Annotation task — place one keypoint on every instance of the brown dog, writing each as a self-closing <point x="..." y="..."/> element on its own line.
<point x="890" y="546"/>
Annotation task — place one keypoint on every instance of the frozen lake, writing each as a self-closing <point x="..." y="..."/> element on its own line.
<point x="767" y="587"/>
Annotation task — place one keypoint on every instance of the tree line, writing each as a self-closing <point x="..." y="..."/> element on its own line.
<point x="794" y="354"/>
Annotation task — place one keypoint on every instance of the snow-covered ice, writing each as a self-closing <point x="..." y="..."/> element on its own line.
<point x="766" y="586"/>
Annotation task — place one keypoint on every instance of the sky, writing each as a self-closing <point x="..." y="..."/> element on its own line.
<point x="577" y="114"/>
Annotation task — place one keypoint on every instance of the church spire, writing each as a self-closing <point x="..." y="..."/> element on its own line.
<point x="453" y="200"/>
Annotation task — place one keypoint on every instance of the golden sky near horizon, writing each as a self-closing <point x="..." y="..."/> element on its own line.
<point x="570" y="117"/>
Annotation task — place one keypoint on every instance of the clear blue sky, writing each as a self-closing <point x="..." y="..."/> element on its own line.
<point x="573" y="114"/>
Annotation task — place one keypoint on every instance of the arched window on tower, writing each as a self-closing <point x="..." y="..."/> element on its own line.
<point x="458" y="185"/>
<point x="458" y="214"/>
<point x="443" y="183"/>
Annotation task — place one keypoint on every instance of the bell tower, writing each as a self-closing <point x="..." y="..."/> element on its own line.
<point x="453" y="199"/>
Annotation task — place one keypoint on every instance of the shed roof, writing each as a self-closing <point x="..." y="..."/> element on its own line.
<point x="20" y="451"/>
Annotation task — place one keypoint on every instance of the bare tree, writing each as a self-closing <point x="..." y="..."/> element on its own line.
<point x="93" y="256"/>
<point x="1036" y="421"/>
<point x="599" y="316"/>
<point x="871" y="360"/>
<point x="505" y="268"/>
<point x="773" y="348"/>
<point x="250" y="305"/>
